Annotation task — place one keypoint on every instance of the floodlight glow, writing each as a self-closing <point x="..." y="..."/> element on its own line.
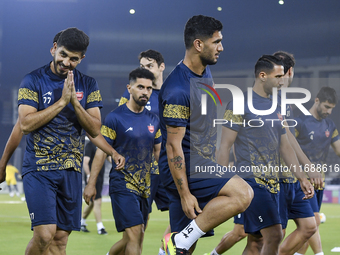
<point x="219" y="8"/>
<point x="132" y="11"/>
<point x="281" y="2"/>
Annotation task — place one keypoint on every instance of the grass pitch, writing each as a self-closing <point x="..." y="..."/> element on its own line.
<point x="15" y="231"/>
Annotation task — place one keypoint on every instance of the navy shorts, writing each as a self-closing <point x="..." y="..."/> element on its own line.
<point x="158" y="194"/>
<point x="291" y="204"/>
<point x="239" y="219"/>
<point x="263" y="210"/>
<point x="316" y="200"/>
<point x="54" y="197"/>
<point x="203" y="189"/>
<point x="129" y="209"/>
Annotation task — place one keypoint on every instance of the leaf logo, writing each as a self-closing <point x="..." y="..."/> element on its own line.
<point x="209" y="93"/>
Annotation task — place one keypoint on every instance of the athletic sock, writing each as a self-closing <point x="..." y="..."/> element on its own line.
<point x="100" y="225"/>
<point x="161" y="252"/>
<point x="320" y="253"/>
<point x="83" y="221"/>
<point x="214" y="252"/>
<point x="296" y="253"/>
<point x="188" y="236"/>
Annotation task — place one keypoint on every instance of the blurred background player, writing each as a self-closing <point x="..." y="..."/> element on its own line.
<point x="11" y="180"/>
<point x="134" y="132"/>
<point x="154" y="62"/>
<point x="315" y="134"/>
<point x="96" y="204"/>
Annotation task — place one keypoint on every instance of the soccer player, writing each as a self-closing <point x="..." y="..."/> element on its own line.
<point x="315" y="134"/>
<point x="154" y="62"/>
<point x="14" y="139"/>
<point x="291" y="204"/>
<point x="56" y="103"/>
<point x="11" y="180"/>
<point x="197" y="205"/>
<point x="134" y="132"/>
<point x="96" y="204"/>
<point x="258" y="145"/>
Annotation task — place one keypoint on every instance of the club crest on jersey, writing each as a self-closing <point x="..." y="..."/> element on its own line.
<point x="151" y="129"/>
<point x="327" y="133"/>
<point x="80" y="95"/>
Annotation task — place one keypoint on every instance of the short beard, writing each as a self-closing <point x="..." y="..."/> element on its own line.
<point x="140" y="103"/>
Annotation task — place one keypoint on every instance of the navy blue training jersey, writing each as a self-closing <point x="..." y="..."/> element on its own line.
<point x="180" y="106"/>
<point x="132" y="135"/>
<point x="60" y="143"/>
<point x="315" y="137"/>
<point x="257" y="145"/>
<point x="152" y="106"/>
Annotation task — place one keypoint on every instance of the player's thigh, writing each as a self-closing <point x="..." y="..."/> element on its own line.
<point x="40" y="192"/>
<point x="128" y="210"/>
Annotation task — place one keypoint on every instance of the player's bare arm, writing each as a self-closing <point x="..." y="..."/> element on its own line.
<point x="290" y="158"/>
<point x="156" y="151"/>
<point x="315" y="177"/>
<point x="32" y="119"/>
<point x="86" y="167"/>
<point x="228" y="138"/>
<point x="101" y="143"/>
<point x="97" y="164"/>
<point x="12" y="143"/>
<point x="177" y="167"/>
<point x="336" y="147"/>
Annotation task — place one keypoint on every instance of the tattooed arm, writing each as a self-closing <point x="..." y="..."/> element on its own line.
<point x="176" y="163"/>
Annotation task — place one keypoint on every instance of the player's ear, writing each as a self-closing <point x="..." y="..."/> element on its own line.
<point x="198" y="44"/>
<point x="53" y="49"/>
<point x="162" y="67"/>
<point x="262" y="76"/>
<point x="290" y="71"/>
<point x="128" y="86"/>
<point x="317" y="100"/>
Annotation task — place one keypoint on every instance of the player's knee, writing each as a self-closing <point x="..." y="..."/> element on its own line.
<point x="43" y="240"/>
<point x="308" y="229"/>
<point x="135" y="234"/>
<point x="241" y="235"/>
<point x="275" y="238"/>
<point x="245" y="196"/>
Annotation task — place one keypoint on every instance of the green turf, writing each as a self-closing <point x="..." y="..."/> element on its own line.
<point x="15" y="232"/>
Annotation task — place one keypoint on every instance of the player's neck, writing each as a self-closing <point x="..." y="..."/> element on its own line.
<point x="158" y="83"/>
<point x="193" y="62"/>
<point x="314" y="112"/>
<point x="133" y="107"/>
<point x="258" y="89"/>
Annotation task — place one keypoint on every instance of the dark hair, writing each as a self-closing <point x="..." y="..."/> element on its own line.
<point x="74" y="39"/>
<point x="140" y="73"/>
<point x="327" y="94"/>
<point x="153" y="55"/>
<point x="56" y="37"/>
<point x="288" y="59"/>
<point x="200" y="27"/>
<point x="266" y="64"/>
